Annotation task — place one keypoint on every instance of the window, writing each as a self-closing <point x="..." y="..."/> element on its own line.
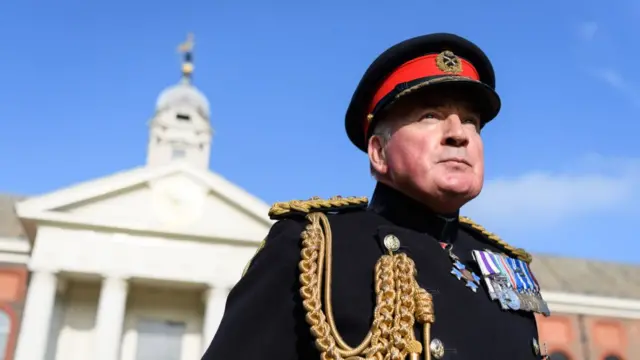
<point x="5" y="330"/>
<point x="178" y="153"/>
<point x="558" y="355"/>
<point x="183" y="117"/>
<point x="159" y="340"/>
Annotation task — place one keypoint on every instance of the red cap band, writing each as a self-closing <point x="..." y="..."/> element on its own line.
<point x="445" y="63"/>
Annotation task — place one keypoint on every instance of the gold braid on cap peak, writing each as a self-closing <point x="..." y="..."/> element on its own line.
<point x="400" y="302"/>
<point x="493" y="238"/>
<point x="281" y="209"/>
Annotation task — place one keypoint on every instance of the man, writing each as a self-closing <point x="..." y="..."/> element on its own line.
<point x="403" y="277"/>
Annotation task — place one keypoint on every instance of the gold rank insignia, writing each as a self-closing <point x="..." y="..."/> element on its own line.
<point x="448" y="62"/>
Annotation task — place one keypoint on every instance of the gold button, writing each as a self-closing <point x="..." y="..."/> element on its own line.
<point x="437" y="348"/>
<point x="392" y="242"/>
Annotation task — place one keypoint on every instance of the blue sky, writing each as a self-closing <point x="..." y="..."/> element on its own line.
<point x="80" y="80"/>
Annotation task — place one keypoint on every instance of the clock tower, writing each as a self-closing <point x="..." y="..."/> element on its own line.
<point x="180" y="129"/>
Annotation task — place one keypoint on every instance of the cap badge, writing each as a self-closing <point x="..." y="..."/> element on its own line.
<point x="448" y="62"/>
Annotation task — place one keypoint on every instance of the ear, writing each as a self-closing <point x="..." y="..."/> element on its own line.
<point x="377" y="158"/>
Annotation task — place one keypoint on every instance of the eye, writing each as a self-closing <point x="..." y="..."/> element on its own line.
<point x="472" y="120"/>
<point x="430" y="115"/>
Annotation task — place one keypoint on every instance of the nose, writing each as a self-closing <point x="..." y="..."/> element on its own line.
<point x="454" y="134"/>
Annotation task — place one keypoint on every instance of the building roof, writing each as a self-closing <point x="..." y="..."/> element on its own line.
<point x="554" y="273"/>
<point x="183" y="95"/>
<point x="10" y="226"/>
<point x="587" y="277"/>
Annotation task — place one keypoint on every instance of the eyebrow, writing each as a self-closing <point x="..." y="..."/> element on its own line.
<point x="461" y="105"/>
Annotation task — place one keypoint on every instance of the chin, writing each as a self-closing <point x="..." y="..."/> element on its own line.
<point x="460" y="189"/>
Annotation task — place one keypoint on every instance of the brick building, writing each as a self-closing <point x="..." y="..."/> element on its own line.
<point x="14" y="255"/>
<point x="595" y="305"/>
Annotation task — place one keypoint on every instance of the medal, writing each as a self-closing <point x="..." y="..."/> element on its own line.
<point x="513" y="300"/>
<point x="525" y="284"/>
<point x="460" y="271"/>
<point x="498" y="277"/>
<point x="519" y="283"/>
<point x="534" y="291"/>
<point x="492" y="277"/>
<point x="510" y="282"/>
<point x="510" y="299"/>
<point x="500" y="291"/>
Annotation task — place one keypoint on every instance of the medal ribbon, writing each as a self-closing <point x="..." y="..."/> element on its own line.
<point x="505" y="270"/>
<point x="542" y="308"/>
<point x="521" y="284"/>
<point x="531" y="285"/>
<point x="489" y="262"/>
<point x="528" y="271"/>
<point x="481" y="260"/>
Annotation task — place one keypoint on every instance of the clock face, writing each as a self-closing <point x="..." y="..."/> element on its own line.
<point x="179" y="202"/>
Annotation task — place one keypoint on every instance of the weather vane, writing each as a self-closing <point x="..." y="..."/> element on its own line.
<point x="187" y="45"/>
<point x="186" y="48"/>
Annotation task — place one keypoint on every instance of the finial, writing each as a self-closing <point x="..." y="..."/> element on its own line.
<point x="186" y="48"/>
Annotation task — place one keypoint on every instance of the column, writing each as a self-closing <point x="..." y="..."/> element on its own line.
<point x="215" y="299"/>
<point x="110" y="318"/>
<point x="36" y="319"/>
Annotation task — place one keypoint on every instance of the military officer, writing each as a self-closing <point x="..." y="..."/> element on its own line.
<point x="402" y="276"/>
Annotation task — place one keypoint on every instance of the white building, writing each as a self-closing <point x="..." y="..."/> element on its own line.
<point x="137" y="265"/>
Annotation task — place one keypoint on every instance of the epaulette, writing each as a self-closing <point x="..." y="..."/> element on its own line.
<point x="493" y="238"/>
<point x="281" y="210"/>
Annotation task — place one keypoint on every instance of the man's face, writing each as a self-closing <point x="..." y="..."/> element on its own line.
<point x="435" y="152"/>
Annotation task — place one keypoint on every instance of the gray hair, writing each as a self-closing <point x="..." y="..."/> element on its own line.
<point x="383" y="130"/>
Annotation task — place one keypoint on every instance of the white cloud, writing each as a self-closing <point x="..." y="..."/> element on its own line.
<point x="617" y="81"/>
<point x="546" y="198"/>
<point x="611" y="77"/>
<point x="587" y="30"/>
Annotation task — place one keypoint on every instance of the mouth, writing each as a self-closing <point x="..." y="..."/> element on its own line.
<point x="456" y="160"/>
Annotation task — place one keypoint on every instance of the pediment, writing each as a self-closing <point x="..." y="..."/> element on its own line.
<point x="176" y="199"/>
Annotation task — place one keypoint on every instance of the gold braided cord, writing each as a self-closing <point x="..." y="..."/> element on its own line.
<point x="399" y="302"/>
<point x="337" y="202"/>
<point x="520" y="253"/>
<point x="315" y="203"/>
<point x="327" y="292"/>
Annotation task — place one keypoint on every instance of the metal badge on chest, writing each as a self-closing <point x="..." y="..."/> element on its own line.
<point x="460" y="271"/>
<point x="510" y="282"/>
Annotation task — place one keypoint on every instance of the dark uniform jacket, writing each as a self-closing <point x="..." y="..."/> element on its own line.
<point x="264" y="317"/>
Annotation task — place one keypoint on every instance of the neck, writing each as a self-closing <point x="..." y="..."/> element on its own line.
<point x="405" y="211"/>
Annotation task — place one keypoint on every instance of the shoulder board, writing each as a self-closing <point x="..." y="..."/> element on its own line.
<point x="281" y="210"/>
<point x="493" y="238"/>
<point x="260" y="246"/>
